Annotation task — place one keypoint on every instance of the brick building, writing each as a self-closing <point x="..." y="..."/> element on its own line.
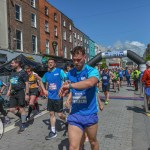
<point x="67" y="35"/>
<point x="23" y="24"/>
<point x="50" y="29"/>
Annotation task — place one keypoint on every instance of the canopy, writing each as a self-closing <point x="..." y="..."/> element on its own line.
<point x="5" y="69"/>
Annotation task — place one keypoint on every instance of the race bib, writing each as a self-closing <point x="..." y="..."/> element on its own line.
<point x="52" y="86"/>
<point x="79" y="98"/>
<point x="104" y="77"/>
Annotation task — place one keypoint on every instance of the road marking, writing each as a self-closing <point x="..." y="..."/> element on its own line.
<point x="11" y="127"/>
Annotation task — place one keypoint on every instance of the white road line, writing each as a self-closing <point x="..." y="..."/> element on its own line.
<point x="11" y="127"/>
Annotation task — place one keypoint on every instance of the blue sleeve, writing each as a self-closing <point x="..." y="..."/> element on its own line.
<point x="44" y="79"/>
<point x="63" y="75"/>
<point x="94" y="73"/>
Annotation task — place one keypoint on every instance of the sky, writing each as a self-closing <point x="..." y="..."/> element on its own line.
<point x="114" y="24"/>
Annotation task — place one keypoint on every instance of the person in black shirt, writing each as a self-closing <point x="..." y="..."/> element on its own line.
<point x="18" y="92"/>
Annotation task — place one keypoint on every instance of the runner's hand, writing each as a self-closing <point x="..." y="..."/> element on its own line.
<point x="101" y="107"/>
<point x="64" y="89"/>
<point x="45" y="92"/>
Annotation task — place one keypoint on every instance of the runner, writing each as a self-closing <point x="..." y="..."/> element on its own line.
<point x="146" y="81"/>
<point x="116" y="80"/>
<point x="18" y="92"/>
<point x="54" y="77"/>
<point x="33" y="80"/>
<point x="83" y="117"/>
<point x="3" y="112"/>
<point x="127" y="75"/>
<point x="120" y="72"/>
<point x="106" y="75"/>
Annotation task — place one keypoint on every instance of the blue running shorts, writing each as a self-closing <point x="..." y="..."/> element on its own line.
<point x="82" y="121"/>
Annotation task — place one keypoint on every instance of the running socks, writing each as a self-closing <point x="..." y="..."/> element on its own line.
<point x="53" y="129"/>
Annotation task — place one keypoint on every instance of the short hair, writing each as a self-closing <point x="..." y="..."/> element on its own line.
<point x="77" y="50"/>
<point x="51" y="59"/>
<point x="18" y="61"/>
<point x="29" y="67"/>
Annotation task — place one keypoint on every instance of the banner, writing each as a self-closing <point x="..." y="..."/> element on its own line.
<point x="114" y="54"/>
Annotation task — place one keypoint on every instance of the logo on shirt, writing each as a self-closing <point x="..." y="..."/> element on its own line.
<point x="56" y="74"/>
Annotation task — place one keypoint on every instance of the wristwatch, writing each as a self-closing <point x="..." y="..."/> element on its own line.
<point x="70" y="86"/>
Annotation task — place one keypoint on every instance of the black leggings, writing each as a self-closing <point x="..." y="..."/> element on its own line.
<point x="3" y="112"/>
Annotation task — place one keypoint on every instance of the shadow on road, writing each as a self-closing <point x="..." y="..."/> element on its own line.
<point x="136" y="109"/>
<point x="60" y="125"/>
<point x="130" y="89"/>
<point x="64" y="144"/>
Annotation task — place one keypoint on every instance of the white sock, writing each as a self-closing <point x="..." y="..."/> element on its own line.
<point x="53" y="129"/>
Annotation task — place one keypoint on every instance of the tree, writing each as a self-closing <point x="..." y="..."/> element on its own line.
<point x="147" y="57"/>
<point x="103" y="65"/>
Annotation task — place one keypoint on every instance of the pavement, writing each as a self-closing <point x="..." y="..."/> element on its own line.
<point x="123" y="125"/>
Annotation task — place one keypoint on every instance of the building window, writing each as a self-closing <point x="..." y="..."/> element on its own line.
<point x="85" y="41"/>
<point x="65" y="52"/>
<point x="64" y="23"/>
<point x="55" y="17"/>
<point x="18" y="12"/>
<point x="19" y="40"/>
<point x="46" y="26"/>
<point x="33" y="3"/>
<point x="34" y="44"/>
<point x="78" y="37"/>
<point x="70" y="27"/>
<point x="70" y="38"/>
<point x="55" y="31"/>
<point x="75" y="35"/>
<point x="46" y="11"/>
<point x="33" y="20"/>
<point x="70" y="53"/>
<point x="47" y="46"/>
<point x="81" y="38"/>
<point x="64" y="35"/>
<point x="56" y="51"/>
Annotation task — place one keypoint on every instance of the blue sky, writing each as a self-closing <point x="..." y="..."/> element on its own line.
<point x="108" y="21"/>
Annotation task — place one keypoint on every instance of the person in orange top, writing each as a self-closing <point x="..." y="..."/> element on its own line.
<point x="33" y="89"/>
<point x="146" y="81"/>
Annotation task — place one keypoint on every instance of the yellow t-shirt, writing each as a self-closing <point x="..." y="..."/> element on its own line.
<point x="32" y="81"/>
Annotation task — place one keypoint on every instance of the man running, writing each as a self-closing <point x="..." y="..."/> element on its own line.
<point x="82" y="84"/>
<point x="106" y="75"/>
<point x="54" y="77"/>
<point x="3" y="112"/>
<point x="18" y="92"/>
<point x="33" y="80"/>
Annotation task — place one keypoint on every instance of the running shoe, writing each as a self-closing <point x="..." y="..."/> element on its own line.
<point x="51" y="135"/>
<point x="22" y="128"/>
<point x="106" y="102"/>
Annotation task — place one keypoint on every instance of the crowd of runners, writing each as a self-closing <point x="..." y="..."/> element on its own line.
<point x="79" y="83"/>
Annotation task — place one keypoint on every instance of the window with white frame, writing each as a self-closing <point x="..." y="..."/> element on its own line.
<point x="70" y="38"/>
<point x="55" y="17"/>
<point x="81" y="38"/>
<point x="70" y="27"/>
<point x="84" y="40"/>
<point x="65" y="52"/>
<point x="46" y="11"/>
<point x="47" y="47"/>
<point x="33" y="3"/>
<point x="34" y="44"/>
<point x="55" y="31"/>
<point x="75" y="35"/>
<point x="19" y="44"/>
<point x="64" y="23"/>
<point x="46" y="26"/>
<point x="64" y="35"/>
<point x="18" y="12"/>
<point x="78" y="37"/>
<point x="70" y="53"/>
<point x="56" y="51"/>
<point x="33" y="20"/>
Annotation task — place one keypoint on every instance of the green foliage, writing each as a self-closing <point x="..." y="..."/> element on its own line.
<point x="103" y="65"/>
<point x="147" y="57"/>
